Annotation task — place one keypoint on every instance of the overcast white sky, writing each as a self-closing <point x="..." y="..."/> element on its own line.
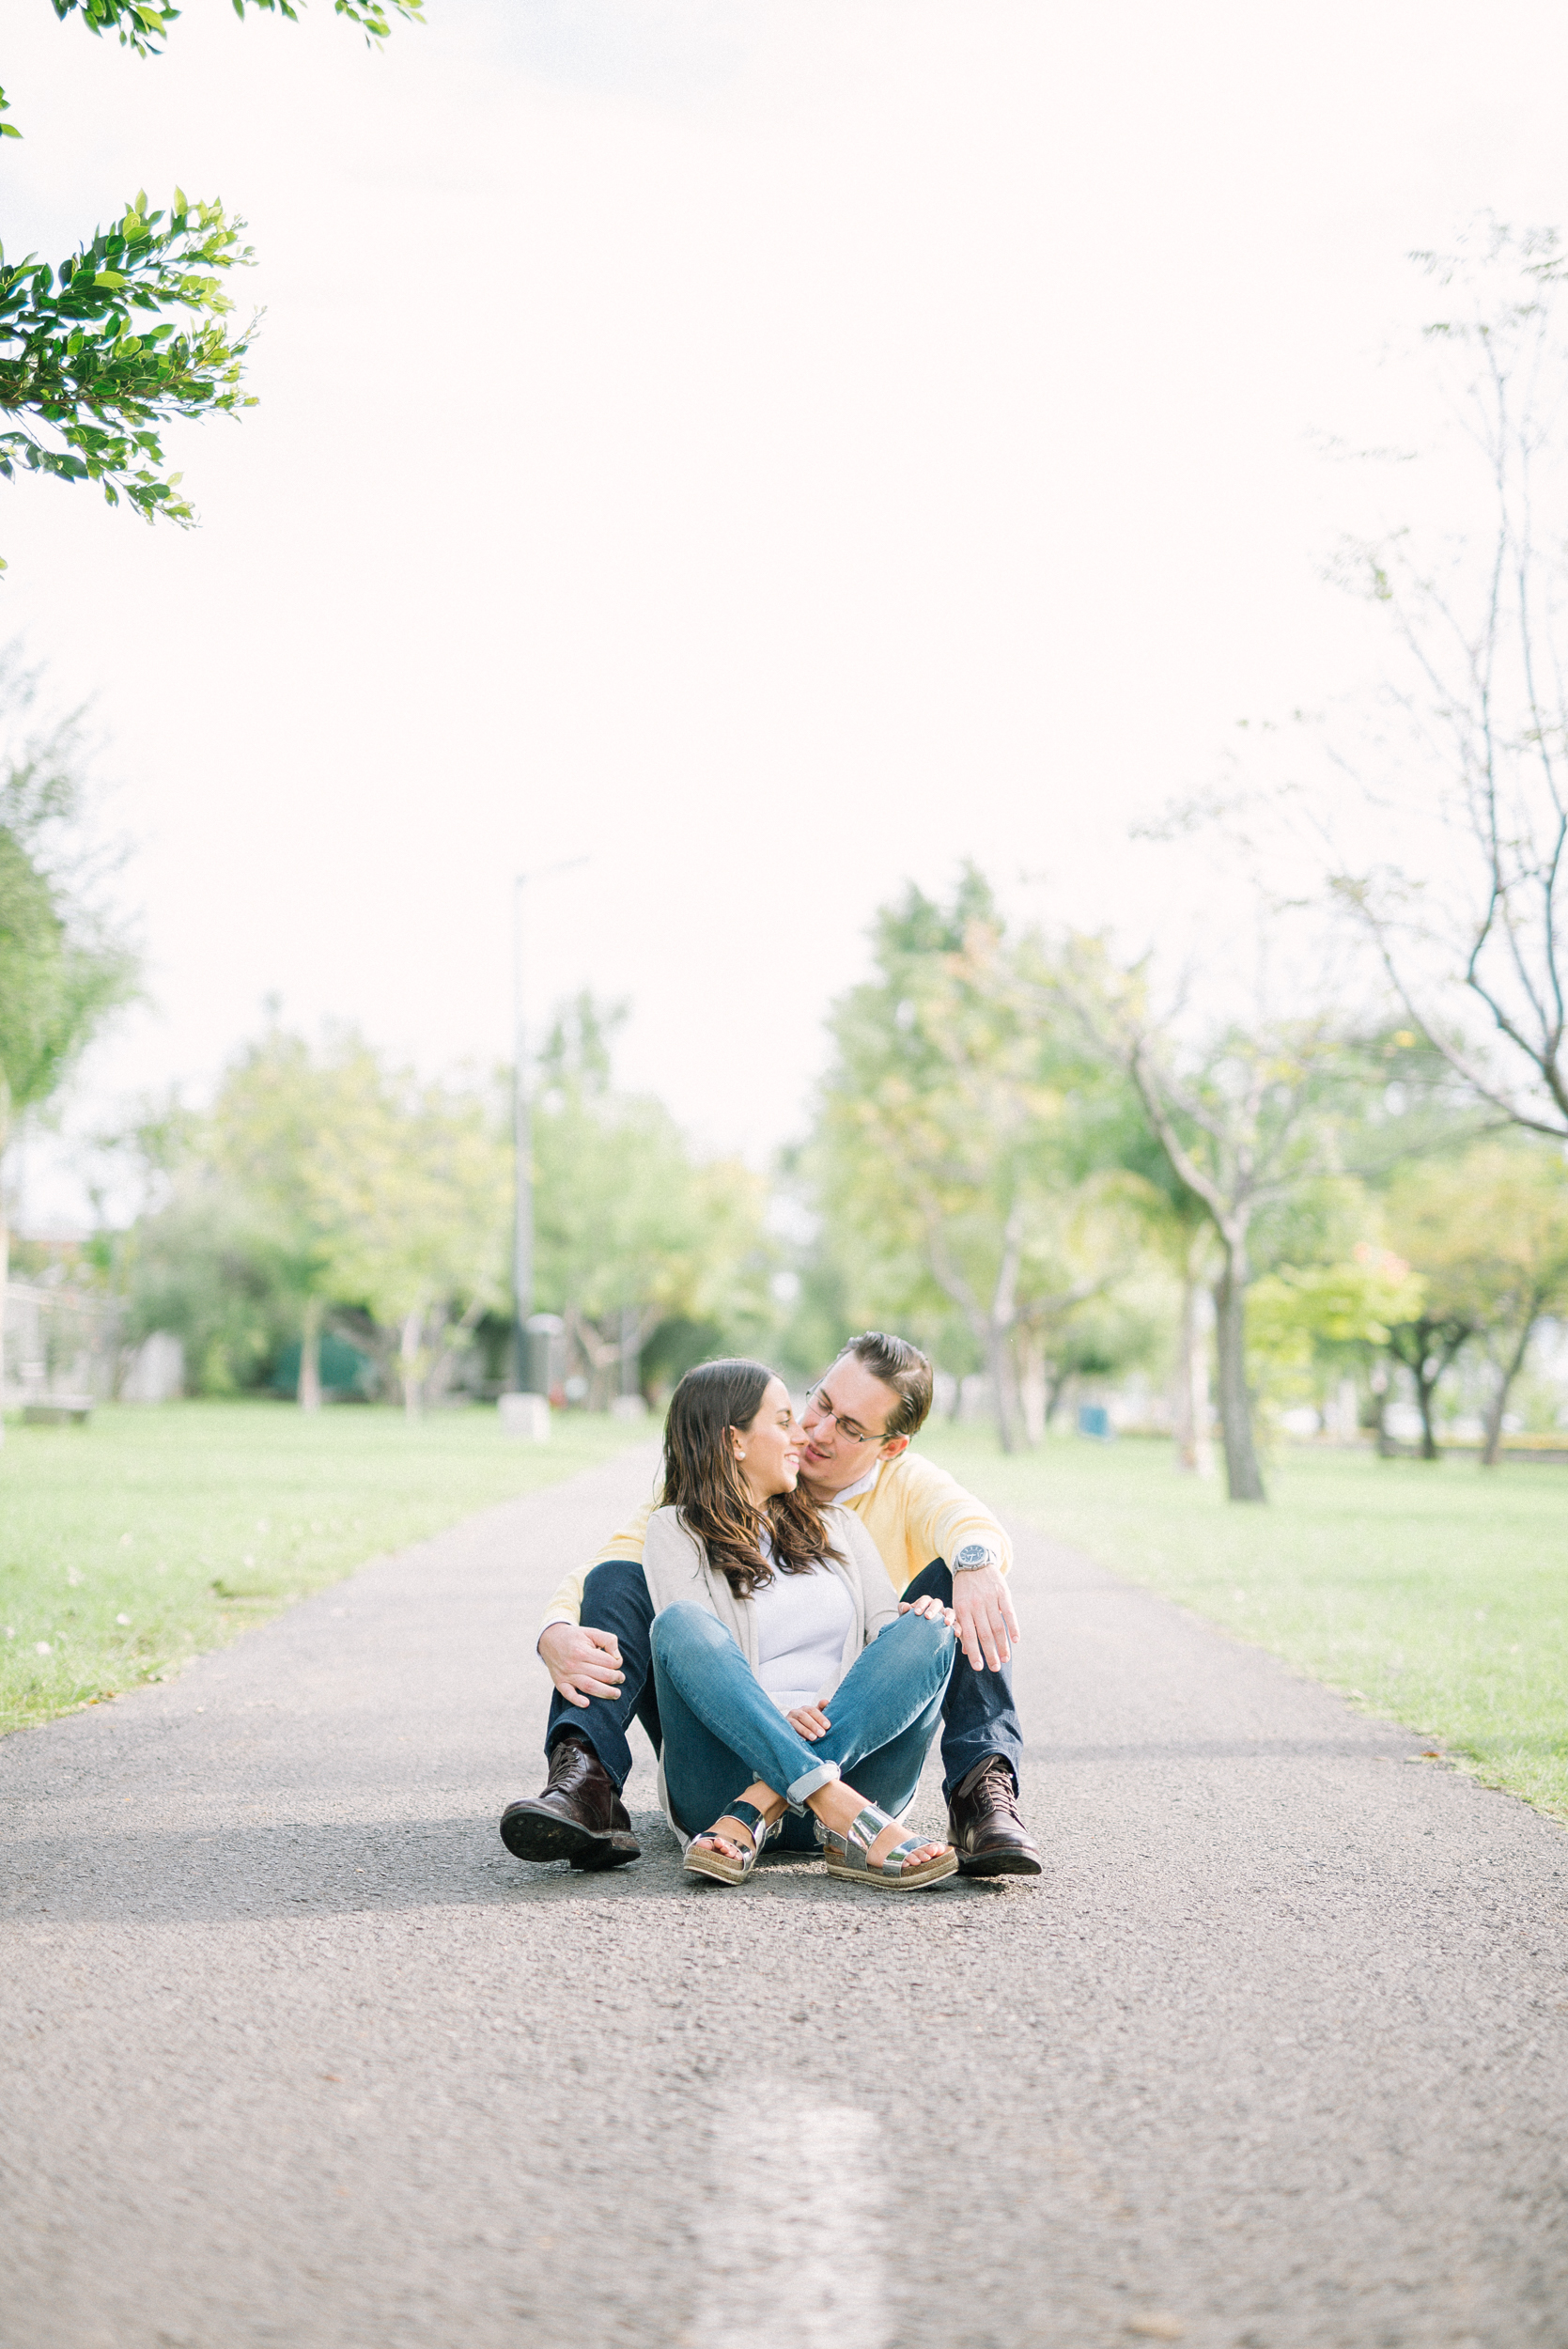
<point x="776" y="450"/>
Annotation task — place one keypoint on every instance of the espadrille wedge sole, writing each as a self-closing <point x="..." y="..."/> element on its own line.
<point x="849" y="1857"/>
<point x="716" y="1865"/>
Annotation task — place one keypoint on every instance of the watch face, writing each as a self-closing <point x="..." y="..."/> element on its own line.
<point x="973" y="1554"/>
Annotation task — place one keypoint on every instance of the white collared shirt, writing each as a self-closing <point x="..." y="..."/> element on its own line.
<point x="862" y="1485"/>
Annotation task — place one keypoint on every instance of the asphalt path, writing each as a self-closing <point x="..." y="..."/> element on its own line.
<point x="1275" y="2054"/>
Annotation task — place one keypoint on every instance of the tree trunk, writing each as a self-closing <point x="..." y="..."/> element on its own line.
<point x="408" y="1352"/>
<point x="1428" y="1371"/>
<point x="1492" y="1455"/>
<point x="5" y="1276"/>
<point x="1031" y="1391"/>
<point x="308" y="1391"/>
<point x="631" y="1322"/>
<point x="1378" y="1421"/>
<point x="1243" y="1477"/>
<point x="1194" y="1448"/>
<point x="999" y="1358"/>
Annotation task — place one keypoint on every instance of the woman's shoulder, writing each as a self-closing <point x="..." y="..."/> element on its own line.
<point x="674" y="1563"/>
<point x="669" y="1534"/>
<point x="846" y="1533"/>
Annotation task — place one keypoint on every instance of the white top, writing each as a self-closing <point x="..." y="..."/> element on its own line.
<point x="802" y="1621"/>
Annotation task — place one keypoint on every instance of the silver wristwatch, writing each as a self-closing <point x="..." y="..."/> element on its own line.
<point x="972" y="1555"/>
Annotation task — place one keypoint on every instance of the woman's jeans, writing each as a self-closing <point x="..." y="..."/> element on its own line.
<point x="722" y="1731"/>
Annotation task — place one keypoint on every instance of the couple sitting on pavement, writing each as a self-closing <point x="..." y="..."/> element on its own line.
<point x="809" y="1598"/>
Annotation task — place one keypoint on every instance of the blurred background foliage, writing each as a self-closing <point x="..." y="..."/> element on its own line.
<point x="1307" y="1224"/>
<point x="982" y="1172"/>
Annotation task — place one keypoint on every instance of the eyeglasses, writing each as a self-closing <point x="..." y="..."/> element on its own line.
<point x="817" y="1401"/>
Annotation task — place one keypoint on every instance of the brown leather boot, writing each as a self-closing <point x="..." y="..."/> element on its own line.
<point x="580" y="1816"/>
<point x="984" y="1826"/>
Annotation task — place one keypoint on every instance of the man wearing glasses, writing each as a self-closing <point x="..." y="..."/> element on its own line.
<point x="935" y="1540"/>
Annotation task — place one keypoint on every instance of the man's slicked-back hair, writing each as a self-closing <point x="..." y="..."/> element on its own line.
<point x="904" y="1369"/>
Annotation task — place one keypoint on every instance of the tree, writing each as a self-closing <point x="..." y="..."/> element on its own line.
<point x="960" y="1149"/>
<point x="1471" y="926"/>
<point x="412" y="1183"/>
<point x="64" y="965"/>
<point x="1490" y="1231"/>
<point x="199" y="1267"/>
<point x="372" y="1193"/>
<point x="1245" y="1121"/>
<point x="94" y="358"/>
<point x="1338" y="1312"/>
<point x="272" y="1113"/>
<point x="633" y="1230"/>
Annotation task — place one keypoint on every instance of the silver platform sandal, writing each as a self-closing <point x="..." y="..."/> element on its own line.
<point x="849" y="1855"/>
<point x="714" y="1865"/>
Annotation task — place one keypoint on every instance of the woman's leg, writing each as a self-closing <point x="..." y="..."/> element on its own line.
<point x="702" y="1775"/>
<point x="890" y="1686"/>
<point x="889" y="1776"/>
<point x="695" y="1659"/>
<point x="883" y="1701"/>
<point x="884" y="1713"/>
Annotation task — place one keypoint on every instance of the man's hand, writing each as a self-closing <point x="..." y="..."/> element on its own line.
<point x="583" y="1662"/>
<point x="987" y="1627"/>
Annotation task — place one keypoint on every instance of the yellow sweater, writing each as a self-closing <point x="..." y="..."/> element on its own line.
<point x="914" y="1512"/>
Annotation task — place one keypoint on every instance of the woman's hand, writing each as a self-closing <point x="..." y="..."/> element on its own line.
<point x="810" y="1720"/>
<point x="927" y="1607"/>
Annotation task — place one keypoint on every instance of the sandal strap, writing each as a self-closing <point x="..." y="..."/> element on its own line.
<point x="893" y="1863"/>
<point x="750" y="1817"/>
<point x="854" y="1845"/>
<point x="865" y="1828"/>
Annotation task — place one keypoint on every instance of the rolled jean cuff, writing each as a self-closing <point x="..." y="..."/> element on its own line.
<point x="807" y="1784"/>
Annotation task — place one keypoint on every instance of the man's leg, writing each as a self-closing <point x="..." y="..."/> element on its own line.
<point x="614" y="1600"/>
<point x="579" y="1815"/>
<point x="982" y="1746"/>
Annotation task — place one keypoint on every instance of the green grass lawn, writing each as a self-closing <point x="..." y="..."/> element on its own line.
<point x="131" y="1543"/>
<point x="1434" y="1594"/>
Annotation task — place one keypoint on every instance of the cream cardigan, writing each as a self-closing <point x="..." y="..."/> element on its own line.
<point x="676" y="1566"/>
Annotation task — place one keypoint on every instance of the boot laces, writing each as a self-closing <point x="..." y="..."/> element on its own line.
<point x="995" y="1790"/>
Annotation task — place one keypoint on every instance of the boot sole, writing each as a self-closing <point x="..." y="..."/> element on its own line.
<point x="999" y="1863"/>
<point x="532" y="1832"/>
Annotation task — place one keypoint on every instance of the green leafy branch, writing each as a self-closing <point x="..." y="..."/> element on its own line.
<point x="89" y="367"/>
<point x="144" y="25"/>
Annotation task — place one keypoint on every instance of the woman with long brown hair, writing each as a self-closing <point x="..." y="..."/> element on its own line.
<point x="781" y="1655"/>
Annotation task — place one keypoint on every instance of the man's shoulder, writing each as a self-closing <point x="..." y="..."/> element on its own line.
<point x="913" y="1475"/>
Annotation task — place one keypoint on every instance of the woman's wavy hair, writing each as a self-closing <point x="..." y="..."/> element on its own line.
<point x="703" y="1480"/>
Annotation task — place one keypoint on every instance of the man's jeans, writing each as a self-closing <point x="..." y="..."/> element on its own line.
<point x="723" y="1729"/>
<point x="978" y="1714"/>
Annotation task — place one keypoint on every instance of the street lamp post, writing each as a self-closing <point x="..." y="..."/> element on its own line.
<point x="523" y="1134"/>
